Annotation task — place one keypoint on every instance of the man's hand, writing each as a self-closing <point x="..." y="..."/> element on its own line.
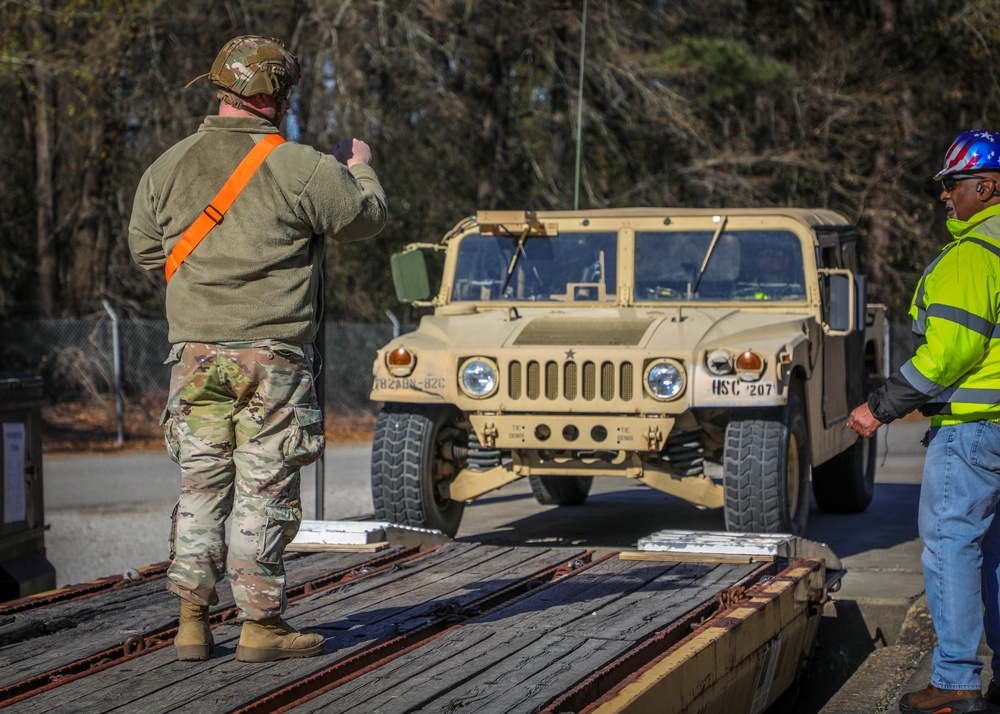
<point x="352" y="151"/>
<point x="863" y="422"/>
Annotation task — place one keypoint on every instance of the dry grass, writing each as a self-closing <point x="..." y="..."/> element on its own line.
<point x="92" y="428"/>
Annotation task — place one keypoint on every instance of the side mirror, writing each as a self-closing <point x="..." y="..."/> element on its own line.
<point x="409" y="276"/>
<point x="841" y="318"/>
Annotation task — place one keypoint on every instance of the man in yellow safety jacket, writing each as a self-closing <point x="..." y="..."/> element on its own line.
<point x="954" y="377"/>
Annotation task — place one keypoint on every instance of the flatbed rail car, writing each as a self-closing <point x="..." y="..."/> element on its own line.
<point x="674" y="626"/>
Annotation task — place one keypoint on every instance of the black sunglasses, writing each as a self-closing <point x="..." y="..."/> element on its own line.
<point x="949" y="182"/>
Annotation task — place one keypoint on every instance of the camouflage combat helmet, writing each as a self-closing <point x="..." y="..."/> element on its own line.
<point x="251" y="64"/>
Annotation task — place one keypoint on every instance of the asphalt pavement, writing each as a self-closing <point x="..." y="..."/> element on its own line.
<point x="110" y="513"/>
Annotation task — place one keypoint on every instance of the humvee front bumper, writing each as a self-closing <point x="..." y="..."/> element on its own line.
<point x="572" y="431"/>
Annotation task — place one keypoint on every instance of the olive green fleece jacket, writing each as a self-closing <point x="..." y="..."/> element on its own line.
<point x="258" y="274"/>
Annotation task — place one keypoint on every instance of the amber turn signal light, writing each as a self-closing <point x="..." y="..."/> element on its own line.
<point x="401" y="362"/>
<point x="750" y="361"/>
<point x="749" y="366"/>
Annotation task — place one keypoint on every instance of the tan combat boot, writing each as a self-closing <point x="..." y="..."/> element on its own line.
<point x="273" y="638"/>
<point x="194" y="636"/>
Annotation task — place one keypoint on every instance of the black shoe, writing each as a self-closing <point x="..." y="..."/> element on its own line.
<point x="993" y="693"/>
<point x="931" y="700"/>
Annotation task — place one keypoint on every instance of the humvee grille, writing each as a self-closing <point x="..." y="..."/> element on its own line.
<point x="589" y="380"/>
<point x="514" y="380"/>
<point x="570" y="382"/>
<point x="607" y="381"/>
<point x="551" y="380"/>
<point x="534" y="380"/>
<point x="626" y="381"/>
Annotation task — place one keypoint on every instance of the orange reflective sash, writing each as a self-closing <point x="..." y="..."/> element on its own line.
<point x="216" y="210"/>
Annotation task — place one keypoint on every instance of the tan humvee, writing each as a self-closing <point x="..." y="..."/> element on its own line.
<point x="640" y="343"/>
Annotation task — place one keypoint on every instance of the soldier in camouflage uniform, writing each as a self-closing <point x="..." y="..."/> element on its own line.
<point x="243" y="307"/>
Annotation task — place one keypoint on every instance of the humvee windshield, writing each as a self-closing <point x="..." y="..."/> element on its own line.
<point x="744" y="266"/>
<point x="566" y="267"/>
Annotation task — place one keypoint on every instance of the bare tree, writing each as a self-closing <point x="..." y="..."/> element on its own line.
<point x="473" y="105"/>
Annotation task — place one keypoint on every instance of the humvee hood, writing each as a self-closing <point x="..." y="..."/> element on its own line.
<point x="638" y="328"/>
<point x="707" y="328"/>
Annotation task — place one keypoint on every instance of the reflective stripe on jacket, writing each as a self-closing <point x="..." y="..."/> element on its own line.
<point x="956" y="311"/>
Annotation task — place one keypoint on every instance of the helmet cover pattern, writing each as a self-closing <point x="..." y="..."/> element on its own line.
<point x="972" y="151"/>
<point x="252" y="64"/>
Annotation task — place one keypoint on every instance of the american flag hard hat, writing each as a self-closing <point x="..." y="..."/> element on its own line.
<point x="972" y="151"/>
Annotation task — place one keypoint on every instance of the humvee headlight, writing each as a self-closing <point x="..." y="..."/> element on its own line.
<point x="665" y="379"/>
<point x="719" y="362"/>
<point x="478" y="377"/>
<point x="749" y="366"/>
<point x="401" y="362"/>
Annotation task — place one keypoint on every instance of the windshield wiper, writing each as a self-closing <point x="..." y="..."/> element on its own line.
<point x="711" y="248"/>
<point x="518" y="252"/>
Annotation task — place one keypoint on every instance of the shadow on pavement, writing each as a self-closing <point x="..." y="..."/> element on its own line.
<point x="890" y="520"/>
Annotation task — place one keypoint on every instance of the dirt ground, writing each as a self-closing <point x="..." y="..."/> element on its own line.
<point x="80" y="427"/>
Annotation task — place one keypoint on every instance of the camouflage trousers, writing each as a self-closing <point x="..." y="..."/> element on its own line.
<point x="240" y="420"/>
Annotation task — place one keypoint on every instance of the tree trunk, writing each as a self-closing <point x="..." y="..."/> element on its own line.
<point x="45" y="192"/>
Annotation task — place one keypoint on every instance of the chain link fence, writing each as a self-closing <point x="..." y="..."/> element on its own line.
<point x="94" y="407"/>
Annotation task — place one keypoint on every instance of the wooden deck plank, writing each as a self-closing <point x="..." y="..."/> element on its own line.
<point x="417" y="591"/>
<point x="518" y="668"/>
<point x="583" y="593"/>
<point x="156" y="682"/>
<point x="486" y="666"/>
<point x="663" y="600"/>
<point x="516" y="686"/>
<point x="300" y="569"/>
<point x="68" y="631"/>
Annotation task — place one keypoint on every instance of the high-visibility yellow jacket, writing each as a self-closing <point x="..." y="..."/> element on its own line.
<point x="954" y="374"/>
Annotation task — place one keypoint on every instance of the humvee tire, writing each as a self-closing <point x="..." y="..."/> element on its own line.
<point x="561" y="490"/>
<point x="407" y="465"/>
<point x="846" y="483"/>
<point x="766" y="471"/>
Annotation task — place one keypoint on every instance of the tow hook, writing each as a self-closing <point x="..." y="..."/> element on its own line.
<point x="489" y="436"/>
<point x="653" y="438"/>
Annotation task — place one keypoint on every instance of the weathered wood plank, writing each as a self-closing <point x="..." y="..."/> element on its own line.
<point x="486" y="666"/>
<point x="473" y="652"/>
<point x="300" y="568"/>
<point x="155" y="682"/>
<point x="68" y="631"/>
<point x="583" y="593"/>
<point x="412" y="596"/>
<point x="663" y="600"/>
<point x="520" y="684"/>
<point x="513" y="661"/>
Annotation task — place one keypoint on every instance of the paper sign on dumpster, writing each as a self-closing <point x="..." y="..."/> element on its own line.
<point x="14" y="505"/>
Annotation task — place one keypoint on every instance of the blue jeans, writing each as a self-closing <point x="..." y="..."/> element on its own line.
<point x="961" y="558"/>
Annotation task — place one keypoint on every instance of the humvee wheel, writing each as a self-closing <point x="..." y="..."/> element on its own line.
<point x="408" y="468"/>
<point x="846" y="483"/>
<point x="561" y="490"/>
<point x="766" y="471"/>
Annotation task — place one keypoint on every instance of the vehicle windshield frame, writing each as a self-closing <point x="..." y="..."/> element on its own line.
<point x="746" y="265"/>
<point x="573" y="266"/>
